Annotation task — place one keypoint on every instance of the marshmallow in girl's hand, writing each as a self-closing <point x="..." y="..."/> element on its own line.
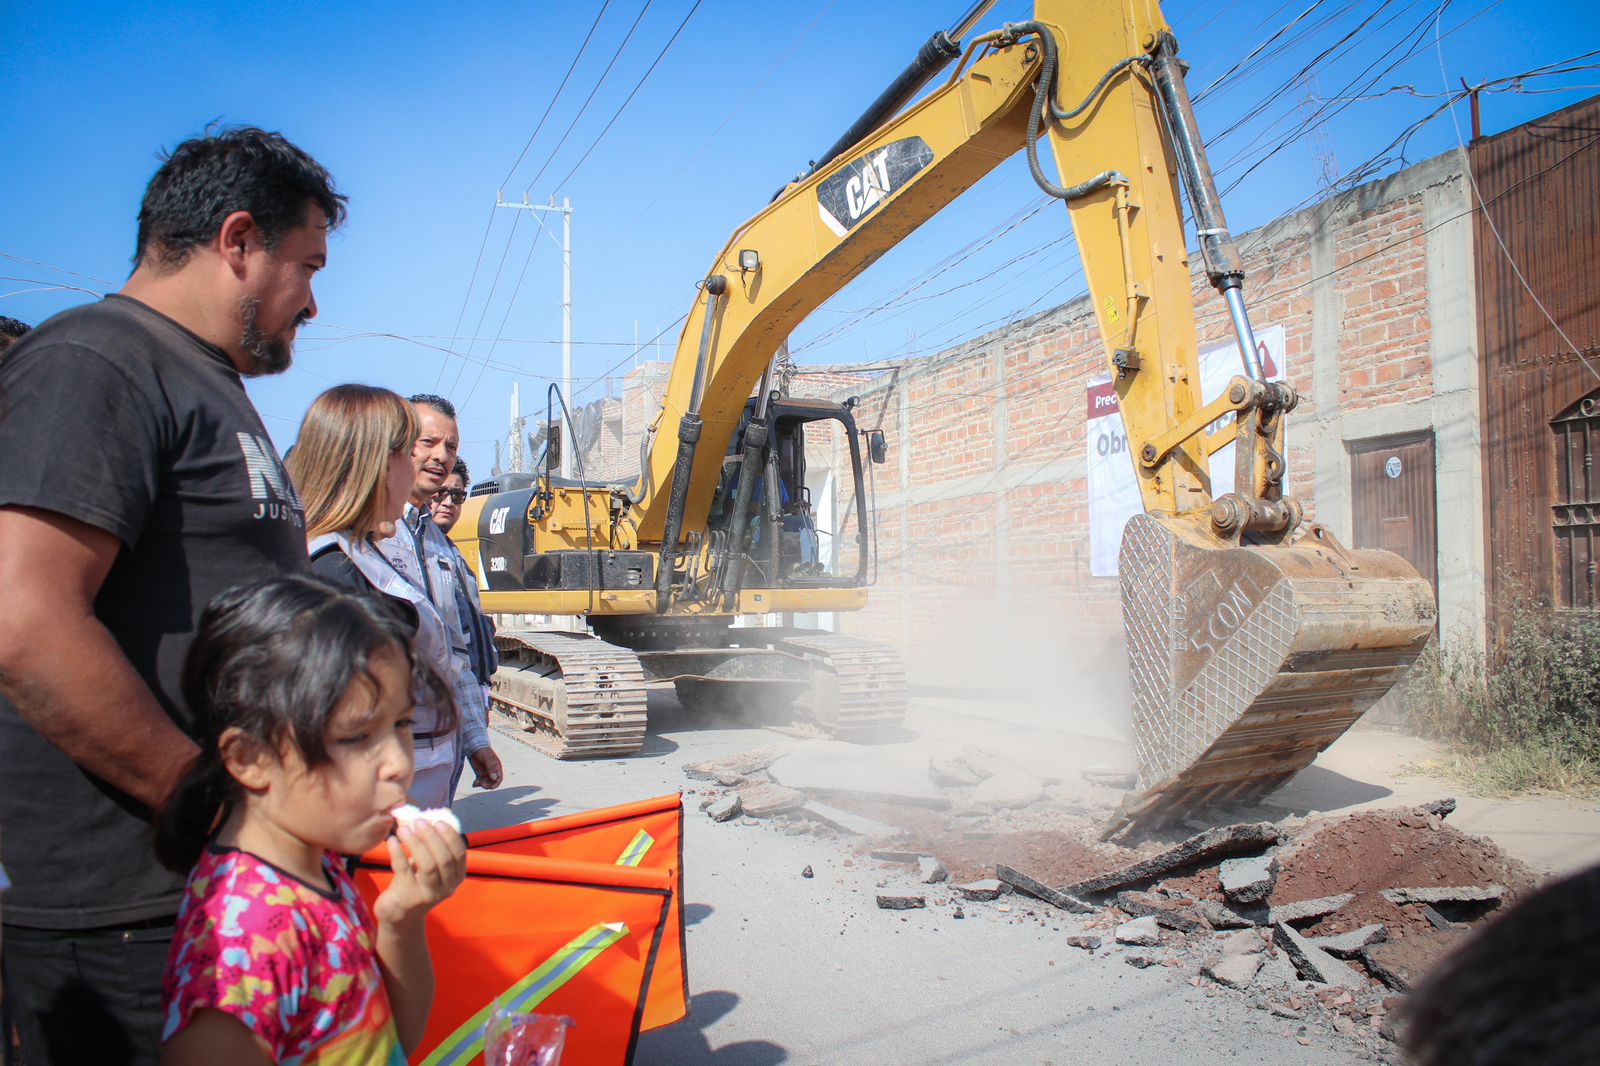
<point x="410" y="814"/>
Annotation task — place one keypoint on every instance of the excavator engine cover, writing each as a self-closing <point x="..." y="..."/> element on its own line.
<point x="1249" y="661"/>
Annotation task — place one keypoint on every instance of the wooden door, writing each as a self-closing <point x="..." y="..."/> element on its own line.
<point x="1393" y="500"/>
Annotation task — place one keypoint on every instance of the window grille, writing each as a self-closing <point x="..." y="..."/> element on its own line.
<point x="1576" y="510"/>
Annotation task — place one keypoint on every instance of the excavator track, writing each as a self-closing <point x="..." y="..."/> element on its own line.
<point x="575" y="696"/>
<point x="857" y="686"/>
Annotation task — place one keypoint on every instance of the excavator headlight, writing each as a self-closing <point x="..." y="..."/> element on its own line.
<point x="749" y="260"/>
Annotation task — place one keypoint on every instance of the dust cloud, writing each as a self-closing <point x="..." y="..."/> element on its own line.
<point x="1016" y="658"/>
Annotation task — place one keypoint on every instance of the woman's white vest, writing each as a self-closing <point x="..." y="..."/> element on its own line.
<point x="392" y="577"/>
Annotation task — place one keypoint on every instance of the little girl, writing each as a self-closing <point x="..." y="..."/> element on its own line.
<point x="302" y="704"/>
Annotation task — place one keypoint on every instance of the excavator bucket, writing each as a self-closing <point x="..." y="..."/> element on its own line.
<point x="1249" y="661"/>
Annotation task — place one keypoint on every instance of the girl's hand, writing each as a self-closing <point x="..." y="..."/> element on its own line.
<point x="429" y="866"/>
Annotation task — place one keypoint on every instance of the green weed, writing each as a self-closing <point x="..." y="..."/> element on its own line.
<point x="1527" y="721"/>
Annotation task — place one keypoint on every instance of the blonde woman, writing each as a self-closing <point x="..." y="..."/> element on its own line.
<point x="353" y="469"/>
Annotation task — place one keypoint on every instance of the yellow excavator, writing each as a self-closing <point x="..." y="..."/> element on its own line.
<point x="1255" y="638"/>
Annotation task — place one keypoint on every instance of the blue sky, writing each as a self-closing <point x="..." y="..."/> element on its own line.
<point x="420" y="112"/>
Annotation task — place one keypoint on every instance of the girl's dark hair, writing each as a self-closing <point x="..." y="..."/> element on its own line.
<point x="273" y="659"/>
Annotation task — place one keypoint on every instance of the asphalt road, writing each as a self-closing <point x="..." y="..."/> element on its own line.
<point x="785" y="969"/>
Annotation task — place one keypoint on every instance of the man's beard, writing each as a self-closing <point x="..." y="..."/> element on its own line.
<point x="267" y="355"/>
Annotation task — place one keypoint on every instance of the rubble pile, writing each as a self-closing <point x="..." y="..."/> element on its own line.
<point x="1321" y="921"/>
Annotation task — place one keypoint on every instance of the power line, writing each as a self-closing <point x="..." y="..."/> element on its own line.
<point x="512" y="302"/>
<point x="1489" y="218"/>
<point x="493" y="287"/>
<point x="551" y="106"/>
<point x="663" y="187"/>
<point x="46" y="285"/>
<point x="588" y="99"/>
<point x="659" y="56"/>
<point x="56" y="270"/>
<point x="466" y="297"/>
<point x="510" y="237"/>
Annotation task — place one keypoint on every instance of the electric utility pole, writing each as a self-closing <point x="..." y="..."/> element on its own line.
<point x="565" y="211"/>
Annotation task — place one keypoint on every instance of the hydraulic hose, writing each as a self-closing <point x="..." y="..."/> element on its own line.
<point x="1044" y="100"/>
<point x="1224" y="264"/>
<point x="688" y="437"/>
<point x="755" y="443"/>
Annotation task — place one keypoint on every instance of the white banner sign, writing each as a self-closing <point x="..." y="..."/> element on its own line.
<point x="1113" y="486"/>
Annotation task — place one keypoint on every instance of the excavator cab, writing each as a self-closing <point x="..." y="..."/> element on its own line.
<point x="796" y="533"/>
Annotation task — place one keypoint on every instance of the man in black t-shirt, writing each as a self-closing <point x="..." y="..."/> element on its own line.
<point x="148" y="486"/>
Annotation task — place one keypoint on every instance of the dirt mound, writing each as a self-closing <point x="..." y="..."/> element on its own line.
<point x="1370" y="851"/>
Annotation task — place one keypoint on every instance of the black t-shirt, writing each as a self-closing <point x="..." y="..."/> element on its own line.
<point x="117" y="416"/>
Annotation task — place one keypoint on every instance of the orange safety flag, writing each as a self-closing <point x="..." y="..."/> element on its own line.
<point x="554" y="933"/>
<point x="647" y="834"/>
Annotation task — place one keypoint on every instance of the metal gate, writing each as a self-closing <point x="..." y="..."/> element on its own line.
<point x="1393" y="500"/>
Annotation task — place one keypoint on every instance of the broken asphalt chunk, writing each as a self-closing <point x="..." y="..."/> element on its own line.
<point x="1225" y="916"/>
<point x="766" y="800"/>
<point x="1039" y="890"/>
<point x="1399" y="964"/>
<point x="901" y="903"/>
<point x="1248" y="880"/>
<point x="904" y="858"/>
<point x="838" y="768"/>
<point x="1227" y="840"/>
<point x="1110" y="776"/>
<point x="1234" y="971"/>
<point x="726" y="808"/>
<point x="1456" y="894"/>
<point x="1441" y="808"/>
<point x="1140" y="932"/>
<point x="1165" y="912"/>
<point x="1087" y="943"/>
<point x="951" y="769"/>
<point x="847" y="821"/>
<point x="744" y="763"/>
<point x="1349" y="945"/>
<point x="979" y="891"/>
<point x="930" y="871"/>
<point x="1311" y="962"/>
<point x="1242" y="942"/>
<point x="1307" y="909"/>
<point x="1008" y="788"/>
<point x="1378" y="968"/>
